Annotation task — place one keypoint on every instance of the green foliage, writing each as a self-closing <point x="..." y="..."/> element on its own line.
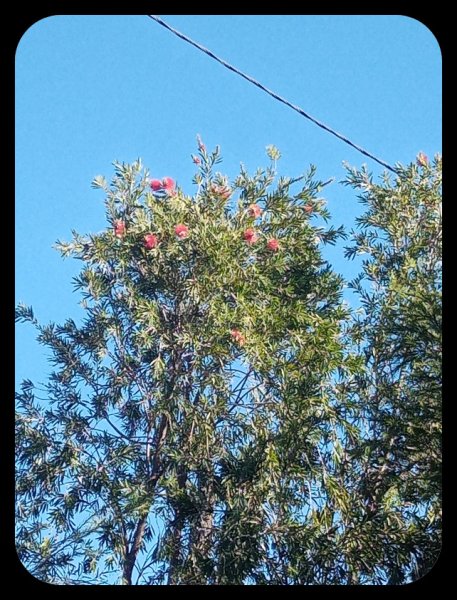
<point x="206" y="421"/>
<point x="399" y="334"/>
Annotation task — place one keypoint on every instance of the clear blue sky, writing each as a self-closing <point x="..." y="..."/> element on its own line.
<point x="91" y="89"/>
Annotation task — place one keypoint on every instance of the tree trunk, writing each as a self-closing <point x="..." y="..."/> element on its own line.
<point x="131" y="555"/>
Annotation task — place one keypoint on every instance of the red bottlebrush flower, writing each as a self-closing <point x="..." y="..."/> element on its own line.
<point x="168" y="184"/>
<point x="250" y="236"/>
<point x="422" y="160"/>
<point x="196" y="160"/>
<point x="273" y="245"/>
<point x="238" y="336"/>
<point x="156" y="185"/>
<point x="150" y="241"/>
<point x="119" y="228"/>
<point x="182" y="231"/>
<point x="308" y="208"/>
<point x="254" y="210"/>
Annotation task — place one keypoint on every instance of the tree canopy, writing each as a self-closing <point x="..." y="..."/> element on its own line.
<point x="220" y="415"/>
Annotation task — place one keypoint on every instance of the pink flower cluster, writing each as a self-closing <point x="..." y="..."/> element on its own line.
<point x="150" y="241"/>
<point x="166" y="184"/>
<point x="182" y="231"/>
<point x="250" y="236"/>
<point x="273" y="245"/>
<point x="254" y="211"/>
<point x="119" y="228"/>
<point x="238" y="337"/>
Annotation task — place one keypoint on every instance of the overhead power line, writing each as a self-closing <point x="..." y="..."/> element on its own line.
<point x="271" y="93"/>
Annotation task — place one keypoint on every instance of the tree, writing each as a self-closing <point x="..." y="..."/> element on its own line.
<point x="398" y="332"/>
<point x="205" y="421"/>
